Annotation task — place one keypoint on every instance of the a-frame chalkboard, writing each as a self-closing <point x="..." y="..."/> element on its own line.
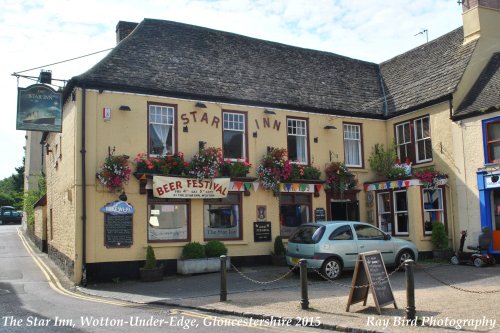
<point x="370" y="274"/>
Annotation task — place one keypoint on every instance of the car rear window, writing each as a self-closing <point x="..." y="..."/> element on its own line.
<point x="310" y="234"/>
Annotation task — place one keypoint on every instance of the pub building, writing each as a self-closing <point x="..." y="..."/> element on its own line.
<point x="174" y="92"/>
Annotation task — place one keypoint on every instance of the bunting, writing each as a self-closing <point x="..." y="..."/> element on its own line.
<point x="391" y="185"/>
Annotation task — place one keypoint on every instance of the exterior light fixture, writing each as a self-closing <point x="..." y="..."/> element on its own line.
<point x="185" y="129"/>
<point x="254" y="134"/>
<point x="267" y="111"/>
<point x="125" y="108"/>
<point x="316" y="140"/>
<point x="330" y="127"/>
<point x="45" y="77"/>
<point x="200" y="105"/>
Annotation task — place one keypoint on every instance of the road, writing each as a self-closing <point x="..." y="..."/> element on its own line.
<point x="33" y="298"/>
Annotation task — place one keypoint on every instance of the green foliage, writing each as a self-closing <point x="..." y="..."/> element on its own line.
<point x="234" y="168"/>
<point x="150" y="258"/>
<point x="30" y="199"/>
<point x="396" y="172"/>
<point x="193" y="250"/>
<point x="300" y="171"/>
<point x="382" y="160"/>
<point x="215" y="248"/>
<point x="439" y="237"/>
<point x="279" y="247"/>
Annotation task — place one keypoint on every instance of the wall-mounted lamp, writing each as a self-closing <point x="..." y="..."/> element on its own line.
<point x="125" y="108"/>
<point x="185" y="129"/>
<point x="200" y="105"/>
<point x="316" y="140"/>
<point x="330" y="127"/>
<point x="201" y="145"/>
<point x="267" y="111"/>
<point x="254" y="134"/>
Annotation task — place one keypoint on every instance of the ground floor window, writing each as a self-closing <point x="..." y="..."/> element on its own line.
<point x="400" y="213"/>
<point x="222" y="217"/>
<point x="433" y="206"/>
<point x="392" y="212"/>
<point x="168" y="221"/>
<point x="295" y="209"/>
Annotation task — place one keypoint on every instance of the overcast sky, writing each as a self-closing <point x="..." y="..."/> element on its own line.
<point x="41" y="32"/>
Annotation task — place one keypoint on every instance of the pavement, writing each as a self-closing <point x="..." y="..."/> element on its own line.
<point x="447" y="298"/>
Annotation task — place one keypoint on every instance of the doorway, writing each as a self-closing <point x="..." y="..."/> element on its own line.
<point x="344" y="210"/>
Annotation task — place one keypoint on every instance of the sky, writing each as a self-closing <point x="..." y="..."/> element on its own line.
<point x="38" y="33"/>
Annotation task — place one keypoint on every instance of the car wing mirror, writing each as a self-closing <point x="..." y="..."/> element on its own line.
<point x="387" y="237"/>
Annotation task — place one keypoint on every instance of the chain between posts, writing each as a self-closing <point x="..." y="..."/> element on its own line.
<point x="425" y="269"/>
<point x="265" y="282"/>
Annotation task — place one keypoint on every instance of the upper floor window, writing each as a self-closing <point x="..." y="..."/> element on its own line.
<point x="234" y="136"/>
<point x="491" y="133"/>
<point x="161" y="130"/>
<point x="413" y="140"/>
<point x="352" y="145"/>
<point x="297" y="140"/>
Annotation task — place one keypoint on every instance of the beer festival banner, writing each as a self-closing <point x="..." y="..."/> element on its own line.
<point x="190" y="188"/>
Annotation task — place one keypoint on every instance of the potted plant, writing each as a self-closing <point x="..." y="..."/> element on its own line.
<point x="382" y="160"/>
<point x="239" y="168"/>
<point x="151" y="272"/>
<point x="205" y="164"/>
<point x="114" y="173"/>
<point x="197" y="258"/>
<point x="278" y="255"/>
<point x="439" y="240"/>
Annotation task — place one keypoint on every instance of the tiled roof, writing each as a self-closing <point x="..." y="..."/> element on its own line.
<point x="484" y="95"/>
<point x="179" y="60"/>
<point x="427" y="73"/>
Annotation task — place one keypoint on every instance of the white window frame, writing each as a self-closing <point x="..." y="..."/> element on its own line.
<point x="161" y="115"/>
<point x="294" y="129"/>
<point x="407" y="141"/>
<point x="352" y="133"/>
<point x="237" y="124"/>
<point x="380" y="196"/>
<point x="420" y="129"/>
<point x="394" y="201"/>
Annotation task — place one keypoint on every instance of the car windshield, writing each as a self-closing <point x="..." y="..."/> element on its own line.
<point x="310" y="234"/>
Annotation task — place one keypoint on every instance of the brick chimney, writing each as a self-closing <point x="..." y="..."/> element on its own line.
<point x="480" y="17"/>
<point x="123" y="29"/>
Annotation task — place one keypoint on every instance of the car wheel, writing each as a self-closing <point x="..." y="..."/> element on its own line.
<point x="403" y="256"/>
<point x="331" y="269"/>
<point x="478" y="262"/>
<point x="455" y="260"/>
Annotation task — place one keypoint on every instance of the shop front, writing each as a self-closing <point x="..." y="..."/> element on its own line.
<point x="489" y="204"/>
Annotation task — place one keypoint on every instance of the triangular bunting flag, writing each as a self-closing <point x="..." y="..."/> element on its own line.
<point x="255" y="186"/>
<point x="238" y="185"/>
<point x="248" y="186"/>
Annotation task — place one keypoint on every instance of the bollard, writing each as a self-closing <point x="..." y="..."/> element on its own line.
<point x="410" y="290"/>
<point x="223" y="278"/>
<point x="304" y="298"/>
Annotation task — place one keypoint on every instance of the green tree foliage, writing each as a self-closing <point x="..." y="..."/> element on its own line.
<point x="382" y="160"/>
<point x="11" y="189"/>
<point x="30" y="199"/>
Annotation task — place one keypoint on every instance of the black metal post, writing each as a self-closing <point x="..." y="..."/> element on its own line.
<point x="410" y="290"/>
<point x="304" y="298"/>
<point x="223" y="278"/>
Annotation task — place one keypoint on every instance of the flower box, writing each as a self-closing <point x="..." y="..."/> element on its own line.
<point x="203" y="265"/>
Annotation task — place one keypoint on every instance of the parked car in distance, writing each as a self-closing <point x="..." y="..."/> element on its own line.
<point x="333" y="246"/>
<point x="9" y="214"/>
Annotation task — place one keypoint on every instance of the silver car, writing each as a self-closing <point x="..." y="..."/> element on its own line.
<point x="333" y="246"/>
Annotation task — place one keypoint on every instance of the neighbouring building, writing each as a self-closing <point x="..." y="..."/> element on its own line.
<point x="169" y="88"/>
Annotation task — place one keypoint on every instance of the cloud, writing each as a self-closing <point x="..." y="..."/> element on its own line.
<point x="39" y="32"/>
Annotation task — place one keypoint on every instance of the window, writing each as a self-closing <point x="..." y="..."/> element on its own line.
<point x="384" y="211"/>
<point x="400" y="212"/>
<point x="433" y="208"/>
<point x="297" y="140"/>
<point x="222" y="217"/>
<point x="161" y="130"/>
<point x="168" y="221"/>
<point x="491" y="129"/>
<point x="295" y="209"/>
<point x="234" y="136"/>
<point x="352" y="145"/>
<point x="341" y="233"/>
<point x="367" y="232"/>
<point x="413" y="140"/>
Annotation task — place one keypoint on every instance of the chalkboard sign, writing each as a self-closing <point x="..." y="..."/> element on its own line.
<point x="370" y="273"/>
<point x="262" y="231"/>
<point x="319" y="214"/>
<point x="117" y="230"/>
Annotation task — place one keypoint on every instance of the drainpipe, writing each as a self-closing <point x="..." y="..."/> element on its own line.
<point x="84" y="195"/>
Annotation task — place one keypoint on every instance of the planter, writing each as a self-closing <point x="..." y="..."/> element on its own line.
<point x="203" y="265"/>
<point x="278" y="260"/>
<point x="442" y="254"/>
<point x="151" y="274"/>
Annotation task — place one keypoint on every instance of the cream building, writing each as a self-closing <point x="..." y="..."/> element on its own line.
<point x="169" y="87"/>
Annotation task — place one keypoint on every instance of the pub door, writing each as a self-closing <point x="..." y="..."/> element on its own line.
<point x="345" y="210"/>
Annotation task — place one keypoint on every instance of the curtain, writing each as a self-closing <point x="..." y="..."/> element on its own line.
<point x="161" y="132"/>
<point x="301" y="149"/>
<point x="352" y="152"/>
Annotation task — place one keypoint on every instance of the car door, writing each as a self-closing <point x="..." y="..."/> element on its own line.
<point x="370" y="238"/>
<point x="341" y="242"/>
<point x="302" y="243"/>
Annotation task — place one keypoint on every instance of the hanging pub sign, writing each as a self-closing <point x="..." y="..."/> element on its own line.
<point x="190" y="188"/>
<point x="39" y="109"/>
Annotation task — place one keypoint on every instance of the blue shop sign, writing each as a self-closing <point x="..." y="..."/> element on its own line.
<point x="118" y="208"/>
<point x="489" y="183"/>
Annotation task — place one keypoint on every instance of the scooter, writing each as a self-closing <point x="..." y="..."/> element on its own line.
<point x="480" y="257"/>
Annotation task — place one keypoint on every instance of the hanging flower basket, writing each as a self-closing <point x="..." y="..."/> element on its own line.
<point x="339" y="179"/>
<point x="431" y="178"/>
<point x="274" y="168"/>
<point x="114" y="173"/>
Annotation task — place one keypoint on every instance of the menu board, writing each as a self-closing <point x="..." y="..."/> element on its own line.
<point x="118" y="230"/>
<point x="262" y="231"/>
<point x="370" y="274"/>
<point x="319" y="214"/>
